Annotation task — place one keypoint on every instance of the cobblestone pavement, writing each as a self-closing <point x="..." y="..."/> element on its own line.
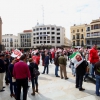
<point x="54" y="88"/>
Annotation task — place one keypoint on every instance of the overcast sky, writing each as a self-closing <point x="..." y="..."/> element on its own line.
<point x="19" y="15"/>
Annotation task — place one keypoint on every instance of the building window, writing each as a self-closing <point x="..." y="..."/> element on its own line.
<point x="53" y="41"/>
<point x="40" y="37"/>
<point x="37" y="41"/>
<point x="52" y="32"/>
<point x="40" y="28"/>
<point x="33" y="29"/>
<point x="96" y="26"/>
<point x="37" y="33"/>
<point x="53" y="38"/>
<point x="88" y="42"/>
<point x="73" y="31"/>
<point x="58" y="33"/>
<point x="44" y="32"/>
<point x="34" y="42"/>
<point x="48" y="41"/>
<point x="82" y="43"/>
<point x="88" y="34"/>
<point x="73" y="36"/>
<point x="58" y="37"/>
<point x="44" y="41"/>
<point x="5" y="40"/>
<point x="44" y="28"/>
<point x="81" y="30"/>
<point x="77" y="30"/>
<point x="52" y="28"/>
<point x="48" y="37"/>
<point x="82" y="36"/>
<point x="37" y="29"/>
<point x="88" y="29"/>
<point x="77" y="36"/>
<point x="58" y="41"/>
<point x="48" y="32"/>
<point x="48" y="28"/>
<point x="40" y="41"/>
<point x="37" y="37"/>
<point x="40" y="33"/>
<point x="58" y="29"/>
<point x="73" y="43"/>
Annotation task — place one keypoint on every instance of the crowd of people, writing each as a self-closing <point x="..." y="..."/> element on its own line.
<point x="18" y="72"/>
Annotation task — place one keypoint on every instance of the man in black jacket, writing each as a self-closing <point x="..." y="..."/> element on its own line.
<point x="80" y="72"/>
<point x="56" y="62"/>
<point x="2" y="71"/>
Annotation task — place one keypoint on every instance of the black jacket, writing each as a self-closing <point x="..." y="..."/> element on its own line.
<point x="81" y="69"/>
<point x="2" y="66"/>
<point x="31" y="66"/>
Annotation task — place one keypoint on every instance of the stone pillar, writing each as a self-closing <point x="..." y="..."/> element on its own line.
<point x="0" y="31"/>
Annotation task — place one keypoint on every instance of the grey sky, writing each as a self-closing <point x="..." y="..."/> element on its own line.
<point x="18" y="15"/>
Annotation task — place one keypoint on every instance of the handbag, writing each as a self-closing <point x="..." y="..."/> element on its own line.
<point x="35" y="72"/>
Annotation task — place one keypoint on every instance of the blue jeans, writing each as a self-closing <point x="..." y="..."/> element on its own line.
<point x="34" y="81"/>
<point x="46" y="67"/>
<point x="56" y="70"/>
<point x="73" y="70"/>
<point x="92" y="71"/>
<point x="12" y="86"/>
<point x="97" y="85"/>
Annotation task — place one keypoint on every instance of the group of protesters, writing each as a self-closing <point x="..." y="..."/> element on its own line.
<point x="19" y="71"/>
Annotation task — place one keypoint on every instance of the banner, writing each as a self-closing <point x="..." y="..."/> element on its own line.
<point x="16" y="53"/>
<point x="76" y="58"/>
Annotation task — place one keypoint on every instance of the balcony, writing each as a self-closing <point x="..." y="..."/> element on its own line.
<point x="77" y="37"/>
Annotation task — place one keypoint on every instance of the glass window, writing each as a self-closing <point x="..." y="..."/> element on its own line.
<point x="58" y="41"/>
<point x="48" y="28"/>
<point x="52" y="32"/>
<point x="53" y="41"/>
<point x="58" y="33"/>
<point x="40" y="28"/>
<point x="58" y="37"/>
<point x="48" y="32"/>
<point x="88" y="34"/>
<point x="77" y="30"/>
<point x="58" y="29"/>
<point x="44" y="28"/>
<point x="52" y="28"/>
<point x="48" y="41"/>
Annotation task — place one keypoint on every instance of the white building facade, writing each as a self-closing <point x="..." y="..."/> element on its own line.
<point x="43" y="36"/>
<point x="48" y="35"/>
<point x="10" y="41"/>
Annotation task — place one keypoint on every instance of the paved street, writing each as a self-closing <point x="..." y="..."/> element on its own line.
<point x="53" y="88"/>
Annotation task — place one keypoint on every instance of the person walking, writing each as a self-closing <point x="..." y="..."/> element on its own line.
<point x="46" y="63"/>
<point x="56" y="62"/>
<point x="80" y="72"/>
<point x="34" y="79"/>
<point x="11" y="79"/>
<point x="97" y="72"/>
<point x="62" y="64"/>
<point x="2" y="71"/>
<point x="22" y="74"/>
